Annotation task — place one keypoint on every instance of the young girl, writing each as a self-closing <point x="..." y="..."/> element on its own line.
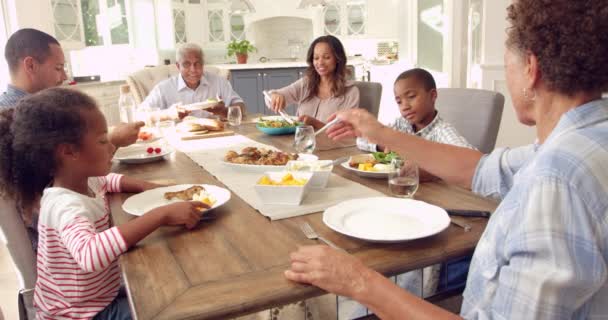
<point x="54" y="144"/>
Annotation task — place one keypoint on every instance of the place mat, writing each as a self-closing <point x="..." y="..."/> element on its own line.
<point x="209" y="153"/>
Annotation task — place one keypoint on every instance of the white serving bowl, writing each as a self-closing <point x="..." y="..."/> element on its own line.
<point x="320" y="176"/>
<point x="285" y="195"/>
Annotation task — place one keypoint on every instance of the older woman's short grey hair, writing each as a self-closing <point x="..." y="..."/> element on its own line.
<point x="187" y="48"/>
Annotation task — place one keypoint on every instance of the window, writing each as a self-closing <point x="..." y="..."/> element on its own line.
<point x="91" y="22"/>
<point x="179" y="22"/>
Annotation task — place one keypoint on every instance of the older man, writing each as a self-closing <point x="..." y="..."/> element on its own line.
<point x="193" y="85"/>
<point x="36" y="62"/>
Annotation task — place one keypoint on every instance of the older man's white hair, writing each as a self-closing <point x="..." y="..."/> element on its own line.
<point x="187" y="48"/>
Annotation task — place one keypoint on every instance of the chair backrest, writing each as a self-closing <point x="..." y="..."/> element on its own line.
<point x="143" y="81"/>
<point x="20" y="248"/>
<point x="369" y="96"/>
<point x="475" y="113"/>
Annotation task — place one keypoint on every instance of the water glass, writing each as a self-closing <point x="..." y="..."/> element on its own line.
<point x="153" y="116"/>
<point x="304" y="140"/>
<point x="234" y="116"/>
<point x="166" y="129"/>
<point x="403" y="181"/>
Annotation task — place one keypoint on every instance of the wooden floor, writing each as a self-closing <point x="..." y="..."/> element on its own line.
<point x="8" y="286"/>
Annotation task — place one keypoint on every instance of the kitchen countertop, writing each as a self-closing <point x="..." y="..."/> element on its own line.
<point x="265" y="65"/>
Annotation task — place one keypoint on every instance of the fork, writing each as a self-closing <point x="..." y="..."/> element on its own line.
<point x="313" y="235"/>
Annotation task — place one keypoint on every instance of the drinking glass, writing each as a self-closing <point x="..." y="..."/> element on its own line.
<point x="304" y="140"/>
<point x="234" y="116"/>
<point x="153" y="117"/>
<point x="166" y="129"/>
<point x="403" y="181"/>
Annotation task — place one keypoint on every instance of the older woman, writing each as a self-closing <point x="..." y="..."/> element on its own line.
<point x="544" y="252"/>
<point x="324" y="90"/>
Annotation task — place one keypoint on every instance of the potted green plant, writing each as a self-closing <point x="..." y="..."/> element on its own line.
<point x="241" y="49"/>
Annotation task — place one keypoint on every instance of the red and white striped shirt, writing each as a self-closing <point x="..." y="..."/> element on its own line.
<point x="78" y="274"/>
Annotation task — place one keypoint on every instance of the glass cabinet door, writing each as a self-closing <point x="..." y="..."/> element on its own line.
<point x="237" y="27"/>
<point x="66" y="20"/>
<point x="179" y="26"/>
<point x="356" y="19"/>
<point x="216" y="26"/>
<point x="332" y="19"/>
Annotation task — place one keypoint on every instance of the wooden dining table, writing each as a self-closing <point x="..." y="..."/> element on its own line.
<point x="233" y="265"/>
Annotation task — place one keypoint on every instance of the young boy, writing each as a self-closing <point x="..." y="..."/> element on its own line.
<point x="415" y="94"/>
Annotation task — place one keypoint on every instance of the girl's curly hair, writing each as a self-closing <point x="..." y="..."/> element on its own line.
<point x="570" y="39"/>
<point x="29" y="134"/>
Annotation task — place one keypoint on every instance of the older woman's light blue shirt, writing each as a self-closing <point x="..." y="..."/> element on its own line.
<point x="543" y="254"/>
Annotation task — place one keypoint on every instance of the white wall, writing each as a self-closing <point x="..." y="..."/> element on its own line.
<point x="512" y="133"/>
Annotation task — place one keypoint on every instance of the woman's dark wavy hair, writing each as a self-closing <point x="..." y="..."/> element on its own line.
<point x="339" y="75"/>
<point x="29" y="134"/>
<point x="569" y="37"/>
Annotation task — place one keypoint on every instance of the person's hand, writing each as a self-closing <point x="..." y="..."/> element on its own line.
<point x="125" y="134"/>
<point x="311" y="121"/>
<point x="187" y="213"/>
<point x="355" y="123"/>
<point x="329" y="269"/>
<point x="277" y="102"/>
<point x="219" y="109"/>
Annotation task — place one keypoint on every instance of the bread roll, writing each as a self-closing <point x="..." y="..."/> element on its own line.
<point x="211" y="124"/>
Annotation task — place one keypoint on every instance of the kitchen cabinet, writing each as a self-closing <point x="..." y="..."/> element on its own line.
<point x="345" y="18"/>
<point x="250" y="83"/>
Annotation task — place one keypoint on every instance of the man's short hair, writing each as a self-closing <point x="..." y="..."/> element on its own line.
<point x="189" y="47"/>
<point x="428" y="82"/>
<point x="27" y="43"/>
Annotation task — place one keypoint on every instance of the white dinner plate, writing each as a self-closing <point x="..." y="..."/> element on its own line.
<point x="386" y="219"/>
<point x="263" y="168"/>
<point x="199" y="105"/>
<point x="138" y="153"/>
<point x="143" y="202"/>
<point x="366" y="174"/>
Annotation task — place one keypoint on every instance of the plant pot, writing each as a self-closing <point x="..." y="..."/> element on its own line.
<point x="241" y="58"/>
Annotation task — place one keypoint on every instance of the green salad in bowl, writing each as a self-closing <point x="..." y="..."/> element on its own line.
<point x="276" y="126"/>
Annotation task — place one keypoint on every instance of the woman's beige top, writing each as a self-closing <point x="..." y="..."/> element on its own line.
<point x="315" y="107"/>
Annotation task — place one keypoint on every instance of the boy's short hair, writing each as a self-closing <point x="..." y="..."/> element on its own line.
<point x="420" y="75"/>
<point x="27" y="43"/>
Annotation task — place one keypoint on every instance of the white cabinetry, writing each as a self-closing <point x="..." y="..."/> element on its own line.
<point x="345" y="18"/>
<point x="106" y="95"/>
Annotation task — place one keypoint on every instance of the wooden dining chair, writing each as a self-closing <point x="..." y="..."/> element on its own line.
<point x="369" y="96"/>
<point x="475" y="113"/>
<point x="24" y="258"/>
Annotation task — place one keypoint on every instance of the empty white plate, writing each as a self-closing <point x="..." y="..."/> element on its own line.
<point x="386" y="219"/>
<point x="143" y="202"/>
<point x="137" y="153"/>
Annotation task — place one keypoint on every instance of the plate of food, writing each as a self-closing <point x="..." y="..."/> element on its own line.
<point x="276" y="125"/>
<point x="201" y="105"/>
<point x="386" y="219"/>
<point x="371" y="165"/>
<point x="146" y="136"/>
<point x="141" y="203"/>
<point x="262" y="160"/>
<point x="194" y="124"/>
<point x="142" y="153"/>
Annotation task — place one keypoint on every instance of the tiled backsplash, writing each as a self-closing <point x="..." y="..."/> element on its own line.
<point x="280" y="37"/>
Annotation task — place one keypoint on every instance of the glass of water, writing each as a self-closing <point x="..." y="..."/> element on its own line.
<point x="234" y="116"/>
<point x="403" y="181"/>
<point x="166" y="129"/>
<point x="304" y="140"/>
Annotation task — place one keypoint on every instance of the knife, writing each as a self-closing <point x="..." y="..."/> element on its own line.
<point x="469" y="213"/>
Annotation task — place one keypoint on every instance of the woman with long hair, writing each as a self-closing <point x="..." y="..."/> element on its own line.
<point x="324" y="89"/>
